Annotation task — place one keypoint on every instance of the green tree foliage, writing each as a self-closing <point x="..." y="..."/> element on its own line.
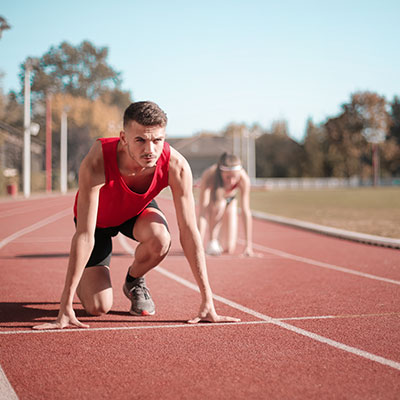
<point x="80" y="71"/>
<point x="277" y="155"/>
<point x="390" y="148"/>
<point x="80" y="81"/>
<point x="348" y="152"/>
<point x="3" y="25"/>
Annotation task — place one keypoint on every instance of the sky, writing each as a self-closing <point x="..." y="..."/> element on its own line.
<point x="213" y="62"/>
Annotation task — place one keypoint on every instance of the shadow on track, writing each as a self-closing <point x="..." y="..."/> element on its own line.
<point x="42" y="312"/>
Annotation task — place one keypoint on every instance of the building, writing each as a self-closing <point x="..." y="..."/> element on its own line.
<point x="202" y="151"/>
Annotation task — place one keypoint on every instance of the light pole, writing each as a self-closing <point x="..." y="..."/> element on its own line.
<point x="250" y="153"/>
<point x="48" y="143"/>
<point x="63" y="151"/>
<point x="27" y="131"/>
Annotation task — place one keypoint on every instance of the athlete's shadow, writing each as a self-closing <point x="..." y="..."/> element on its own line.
<point x="29" y="312"/>
<point x="58" y="255"/>
<point x="42" y="312"/>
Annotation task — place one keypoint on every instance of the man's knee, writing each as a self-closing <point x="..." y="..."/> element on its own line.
<point x="160" y="243"/>
<point x="97" y="307"/>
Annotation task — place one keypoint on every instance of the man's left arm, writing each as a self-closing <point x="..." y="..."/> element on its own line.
<point x="180" y="181"/>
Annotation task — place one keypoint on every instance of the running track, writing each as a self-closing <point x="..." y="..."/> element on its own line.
<point x="320" y="318"/>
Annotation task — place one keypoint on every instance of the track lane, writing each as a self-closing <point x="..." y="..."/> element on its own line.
<point x="227" y="277"/>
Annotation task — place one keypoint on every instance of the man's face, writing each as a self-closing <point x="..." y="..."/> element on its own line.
<point x="144" y="144"/>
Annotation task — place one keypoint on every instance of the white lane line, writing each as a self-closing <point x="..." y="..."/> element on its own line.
<point x="303" y="332"/>
<point x="274" y="321"/>
<point x="6" y="390"/>
<point x="321" y="264"/>
<point x="35" y="226"/>
<point x="186" y="325"/>
<point x="129" y="328"/>
<point x="44" y="239"/>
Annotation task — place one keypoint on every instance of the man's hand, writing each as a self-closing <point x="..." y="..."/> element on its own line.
<point x="207" y="313"/>
<point x="64" y="320"/>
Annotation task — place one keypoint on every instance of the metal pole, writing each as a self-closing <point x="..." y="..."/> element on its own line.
<point x="27" y="132"/>
<point x="252" y="157"/>
<point x="63" y="153"/>
<point x="236" y="144"/>
<point x="48" y="144"/>
<point x="248" y="161"/>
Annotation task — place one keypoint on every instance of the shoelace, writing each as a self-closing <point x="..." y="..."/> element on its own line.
<point x="137" y="289"/>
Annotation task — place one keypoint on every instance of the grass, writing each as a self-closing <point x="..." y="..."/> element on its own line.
<point x="375" y="211"/>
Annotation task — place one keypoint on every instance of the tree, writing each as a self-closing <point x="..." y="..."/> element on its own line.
<point x="347" y="150"/>
<point x="80" y="71"/>
<point x="87" y="121"/>
<point x="390" y="149"/>
<point x="3" y="25"/>
<point x="277" y="155"/>
<point x="376" y="121"/>
<point x="313" y="165"/>
<point x="80" y="79"/>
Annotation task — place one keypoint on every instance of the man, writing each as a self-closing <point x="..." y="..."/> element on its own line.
<point x="118" y="180"/>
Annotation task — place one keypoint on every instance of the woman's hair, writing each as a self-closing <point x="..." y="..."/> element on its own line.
<point x="226" y="162"/>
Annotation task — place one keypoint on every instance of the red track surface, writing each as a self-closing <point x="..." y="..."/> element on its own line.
<point x="320" y="319"/>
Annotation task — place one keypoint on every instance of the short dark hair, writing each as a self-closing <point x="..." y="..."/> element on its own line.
<point x="145" y="113"/>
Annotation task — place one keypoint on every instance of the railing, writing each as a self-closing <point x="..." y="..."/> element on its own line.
<point x="318" y="183"/>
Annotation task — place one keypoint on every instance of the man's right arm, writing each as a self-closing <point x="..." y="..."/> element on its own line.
<point x="91" y="179"/>
<point x="204" y="200"/>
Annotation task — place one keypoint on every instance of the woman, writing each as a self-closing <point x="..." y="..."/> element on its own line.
<point x="219" y="188"/>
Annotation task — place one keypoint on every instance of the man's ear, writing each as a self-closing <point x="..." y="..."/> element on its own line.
<point x="122" y="136"/>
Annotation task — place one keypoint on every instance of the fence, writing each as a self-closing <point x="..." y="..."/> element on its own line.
<point x="319" y="183"/>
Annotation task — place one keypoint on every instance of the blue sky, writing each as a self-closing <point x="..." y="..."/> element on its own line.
<point x="210" y="63"/>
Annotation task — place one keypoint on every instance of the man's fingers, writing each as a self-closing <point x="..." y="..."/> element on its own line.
<point x="194" y="320"/>
<point x="49" y="325"/>
<point x="216" y="318"/>
<point x="58" y="325"/>
<point x="79" y="324"/>
<point x="228" y="319"/>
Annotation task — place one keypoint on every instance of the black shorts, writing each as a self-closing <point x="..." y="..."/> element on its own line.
<point x="101" y="253"/>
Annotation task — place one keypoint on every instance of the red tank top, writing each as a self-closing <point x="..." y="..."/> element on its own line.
<point x="117" y="202"/>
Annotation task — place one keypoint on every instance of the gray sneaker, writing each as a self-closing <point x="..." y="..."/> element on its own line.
<point x="139" y="295"/>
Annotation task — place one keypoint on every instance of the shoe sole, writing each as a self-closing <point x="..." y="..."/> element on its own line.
<point x="144" y="313"/>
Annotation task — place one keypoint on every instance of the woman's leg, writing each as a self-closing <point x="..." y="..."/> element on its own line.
<point x="229" y="227"/>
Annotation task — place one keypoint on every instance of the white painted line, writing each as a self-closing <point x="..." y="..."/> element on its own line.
<point x="55" y="239"/>
<point x="6" y="390"/>
<point x="321" y="264"/>
<point x="130" y="328"/>
<point x="23" y="210"/>
<point x="186" y="325"/>
<point x="274" y="321"/>
<point x="35" y="226"/>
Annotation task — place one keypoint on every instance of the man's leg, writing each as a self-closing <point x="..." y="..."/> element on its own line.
<point x="151" y="232"/>
<point x="95" y="291"/>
